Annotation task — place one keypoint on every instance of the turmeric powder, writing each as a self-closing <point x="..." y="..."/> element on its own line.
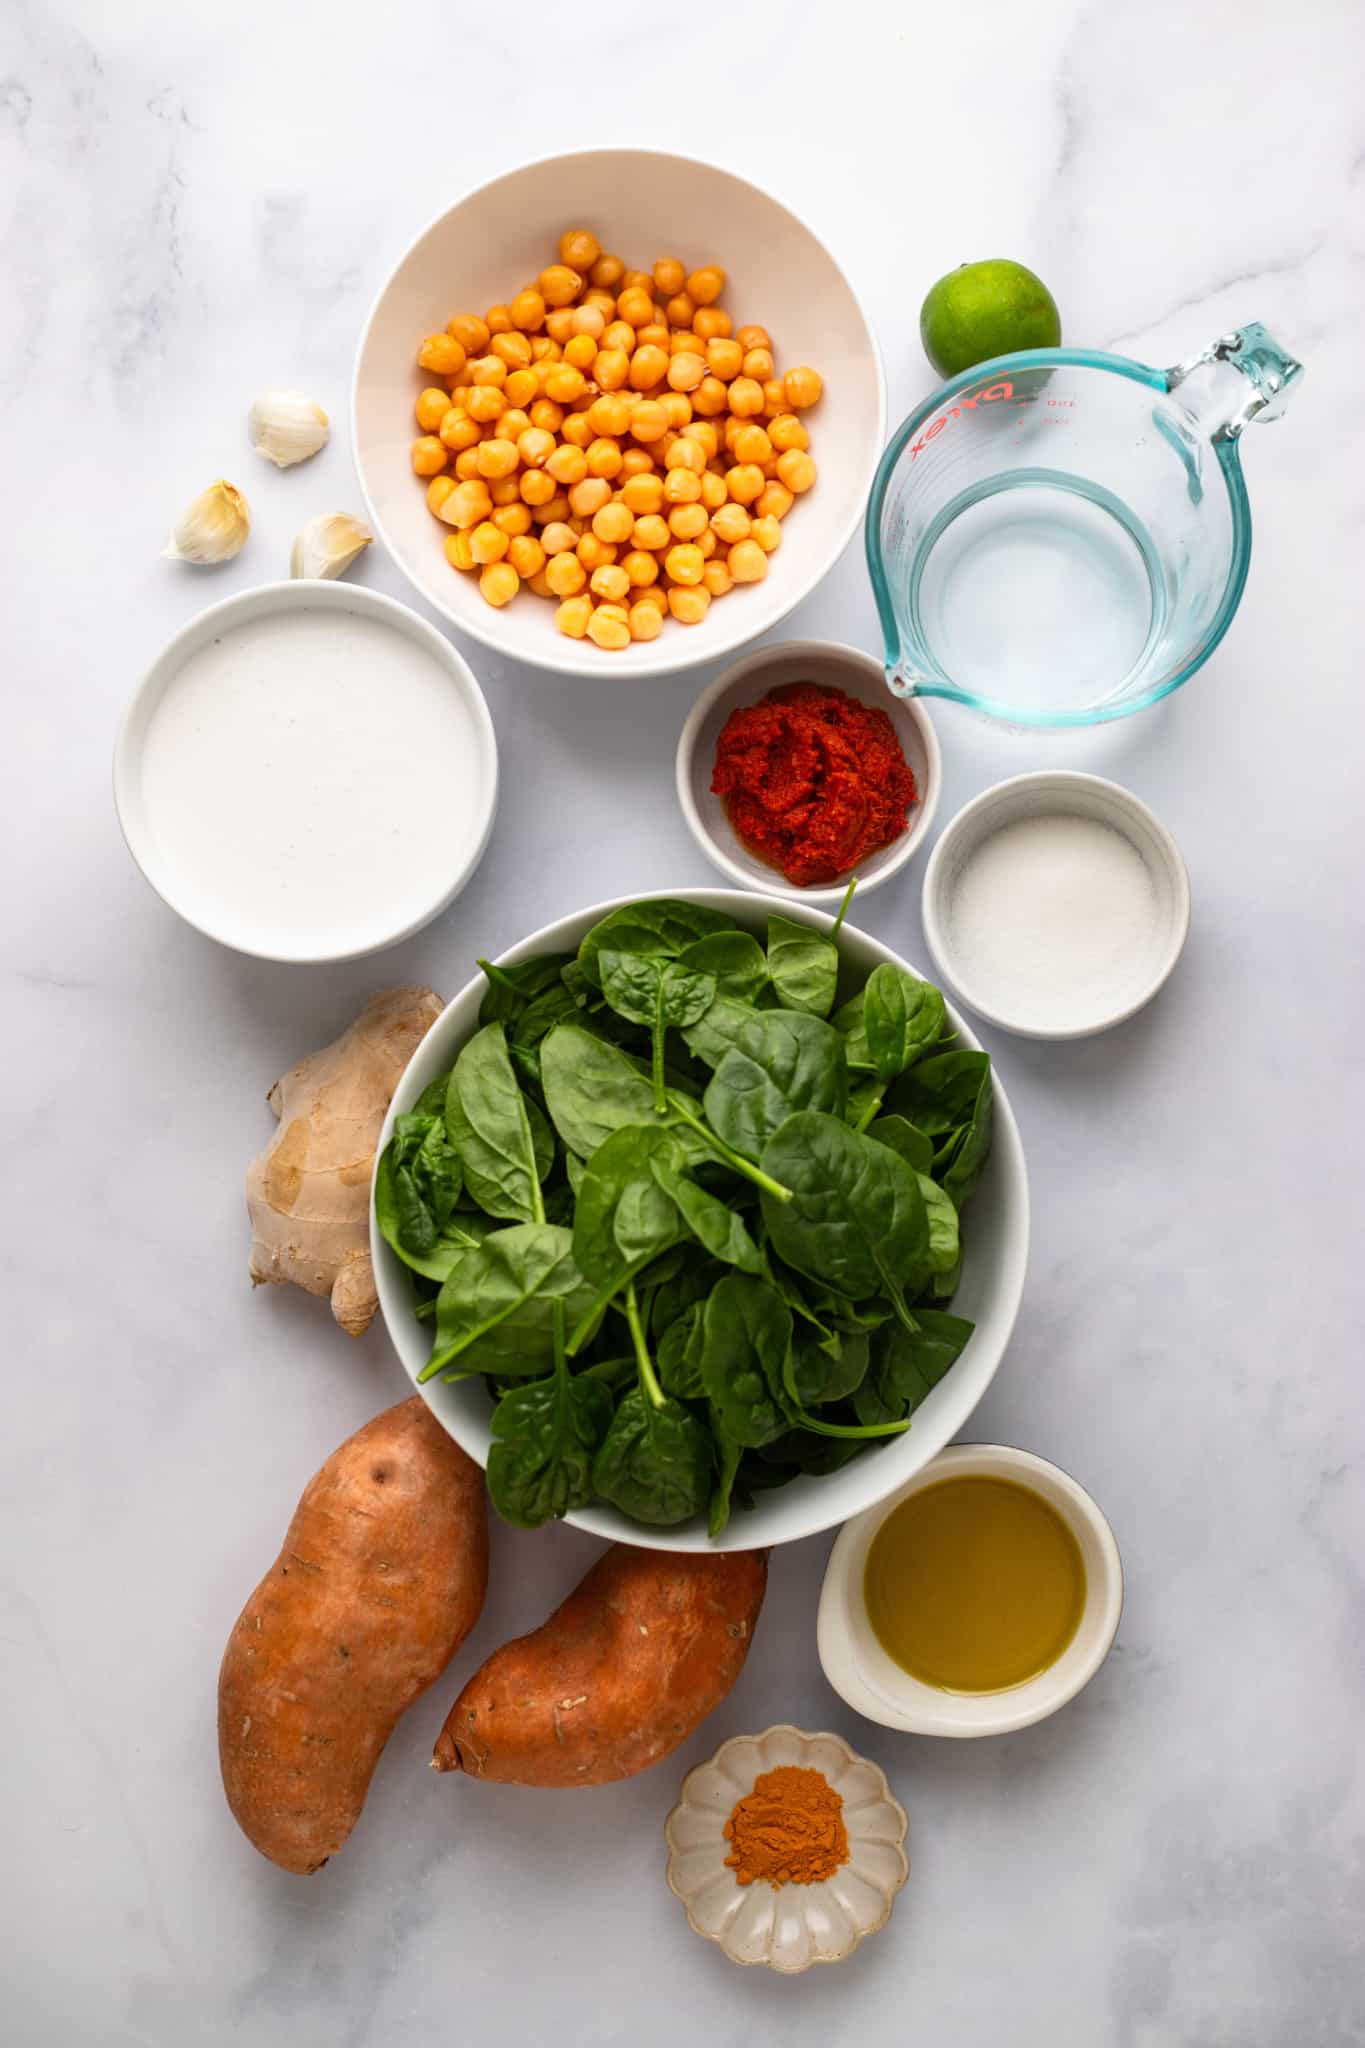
<point x="788" y="1830"/>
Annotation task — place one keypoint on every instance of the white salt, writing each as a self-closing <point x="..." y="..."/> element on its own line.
<point x="1054" y="923"/>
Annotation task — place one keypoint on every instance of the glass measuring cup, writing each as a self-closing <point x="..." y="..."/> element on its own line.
<point x="1060" y="537"/>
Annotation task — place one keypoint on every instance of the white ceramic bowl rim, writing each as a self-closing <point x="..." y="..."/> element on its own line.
<point x="686" y="649"/>
<point x="1019" y="790"/>
<point x="305" y="593"/>
<point x="831" y="654"/>
<point x="1000" y="1213"/>
<point x="862" y="1673"/>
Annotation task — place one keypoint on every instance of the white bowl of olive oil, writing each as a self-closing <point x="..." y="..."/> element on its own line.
<point x="977" y="1599"/>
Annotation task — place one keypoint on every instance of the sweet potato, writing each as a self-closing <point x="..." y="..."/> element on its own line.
<point x="380" y="1579"/>
<point x="635" y="1659"/>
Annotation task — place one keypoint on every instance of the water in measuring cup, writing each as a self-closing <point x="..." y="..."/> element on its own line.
<point x="1041" y="590"/>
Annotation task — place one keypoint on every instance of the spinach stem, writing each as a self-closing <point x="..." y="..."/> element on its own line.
<point x="731" y="1158"/>
<point x="497" y="979"/>
<point x="648" y="1377"/>
<point x="872" y="1110"/>
<point x="849" y="1429"/>
<point x="843" y="908"/>
<point x="656" y="1062"/>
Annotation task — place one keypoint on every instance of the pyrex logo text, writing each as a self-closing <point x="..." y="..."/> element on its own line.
<point x="968" y="402"/>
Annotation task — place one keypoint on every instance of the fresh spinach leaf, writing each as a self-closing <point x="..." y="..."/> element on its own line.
<point x="728" y="1455"/>
<point x="746" y="1333"/>
<point x="815" y="1376"/>
<point x="711" y="1037"/>
<point x="591" y="1088"/>
<point x="785" y="1060"/>
<point x="902" y="1018"/>
<point x="657" y="993"/>
<point x="945" y="1245"/>
<point x="913" y="1145"/>
<point x="849" y="1020"/>
<point x="734" y="959"/>
<point x="663" y="924"/>
<point x="856" y="1219"/>
<point x="510" y="989"/>
<point x="487" y="1119"/>
<point x="803" y="965"/>
<point x="459" y="1234"/>
<point x="545" y="1436"/>
<point x="715" y="1225"/>
<point x="495" y="1312"/>
<point x="910" y="1363"/>
<point x="654" y="1463"/>
<point x="940" y="1095"/>
<point x="969" y="1156"/>
<point x="623" y="1218"/>
<point x="679" y="1355"/>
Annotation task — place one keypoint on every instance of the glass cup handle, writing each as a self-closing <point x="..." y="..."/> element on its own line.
<point x="1269" y="369"/>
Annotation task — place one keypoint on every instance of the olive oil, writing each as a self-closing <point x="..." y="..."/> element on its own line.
<point x="975" y="1584"/>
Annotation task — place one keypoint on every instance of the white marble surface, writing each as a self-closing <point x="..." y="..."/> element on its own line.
<point x="199" y="201"/>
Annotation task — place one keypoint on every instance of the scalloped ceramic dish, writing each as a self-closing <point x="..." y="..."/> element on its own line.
<point x="791" y="1927"/>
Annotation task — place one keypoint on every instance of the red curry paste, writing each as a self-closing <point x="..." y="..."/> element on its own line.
<point x="812" y="780"/>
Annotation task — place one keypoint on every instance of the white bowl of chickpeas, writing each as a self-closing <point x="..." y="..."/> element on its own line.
<point x="596" y="468"/>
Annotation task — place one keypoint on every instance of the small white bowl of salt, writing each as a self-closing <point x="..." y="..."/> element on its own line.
<point x="1056" y="904"/>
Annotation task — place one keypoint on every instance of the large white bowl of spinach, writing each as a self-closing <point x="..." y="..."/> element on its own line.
<point x="697" y="1224"/>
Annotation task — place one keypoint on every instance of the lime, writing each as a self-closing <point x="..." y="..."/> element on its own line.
<point x="986" y="309"/>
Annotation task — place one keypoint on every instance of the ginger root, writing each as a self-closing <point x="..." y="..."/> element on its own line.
<point x="308" y="1193"/>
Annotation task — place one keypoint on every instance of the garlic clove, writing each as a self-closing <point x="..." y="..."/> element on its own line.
<point x="212" y="529"/>
<point x="328" y="545"/>
<point x="286" y="427"/>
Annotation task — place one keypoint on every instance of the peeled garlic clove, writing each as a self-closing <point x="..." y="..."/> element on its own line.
<point x="286" y="427"/>
<point x="213" y="529"/>
<point x="328" y="545"/>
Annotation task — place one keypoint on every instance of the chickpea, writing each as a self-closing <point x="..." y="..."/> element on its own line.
<point x="607" y="630"/>
<point x="497" y="458"/>
<point x="577" y="431"/>
<point x="686" y="371"/>
<point x="573" y="615"/>
<point x="580" y="351"/>
<point x="588" y="320"/>
<point x="535" y="446"/>
<point x="724" y="359"/>
<point x="655" y="334"/>
<point x="513" y="349"/>
<point x="682" y="341"/>
<point x="635" y="305"/>
<point x="716" y="579"/>
<point x="708" y="400"/>
<point x="498" y="319"/>
<point x="559" y="285"/>
<point x="467" y="504"/>
<point x="636" y="462"/>
<point x="611" y="368"/>
<point x="610" y="582"/>
<point x="543" y="350"/>
<point x="685" y="452"/>
<point x="565" y="383"/>
<point x="607" y="272"/>
<point x="458" y="552"/>
<point x="683" y="487"/>
<point x="545" y="413"/>
<point x="442" y="354"/>
<point x="488" y="370"/>
<point x="511" y="516"/>
<point x="620" y="334"/>
<point x="505" y="490"/>
<point x="689" y="607"/>
<point x="648" y="366"/>
<point x="593" y="553"/>
<point x="431" y="408"/>
<point x="568" y="465"/>
<point x="746" y="398"/>
<point x="714" y="492"/>
<point x="669" y="276"/>
<point x="535" y="487"/>
<point x="429" y="456"/>
<point x="651" y="532"/>
<point x="774" y="501"/>
<point x="528" y="311"/>
<point x="796" y="470"/>
<point x="768" y="533"/>
<point x="707" y="284"/>
<point x="551" y="509"/>
<point x="538" y="584"/>
<point x="653" y="594"/>
<point x="641" y="567"/>
<point x="579" y="248"/>
<point x="637" y="280"/>
<point x="687" y="522"/>
<point x="467" y="463"/>
<point x="559" y="324"/>
<point x="685" y="563"/>
<point x="610" y="414"/>
<point x="438" y="490"/>
<point x="758" y="364"/>
<point x="604" y="301"/>
<point x="730" y="522"/>
<point x="558" y="538"/>
<point x="803" y="387"/>
<point x="645" y="621"/>
<point x="565" y="574"/>
<point x="588" y="497"/>
<point x="521" y="388"/>
<point x="649" y="421"/>
<point x="458" y="430"/>
<point x="499" y="584"/>
<point x="472" y="333"/>
<point x="677" y="408"/>
<point x="744" y="482"/>
<point x="711" y="323"/>
<point x="751" y="444"/>
<point x="604" y="457"/>
<point x="613" y="522"/>
<point x="774" y="398"/>
<point x="747" y="562"/>
<point x="487" y="543"/>
<point x="707" y="543"/>
<point x="786" y="431"/>
<point x="680" y="311"/>
<point x="485" y="404"/>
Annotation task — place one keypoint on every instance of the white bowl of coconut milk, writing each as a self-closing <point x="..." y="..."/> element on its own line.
<point x="1056" y="904"/>
<point x="307" y="772"/>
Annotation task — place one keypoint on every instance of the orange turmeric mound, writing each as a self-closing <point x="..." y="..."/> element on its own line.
<point x="788" y="1830"/>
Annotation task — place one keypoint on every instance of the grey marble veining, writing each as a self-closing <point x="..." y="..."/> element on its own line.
<point x="198" y="202"/>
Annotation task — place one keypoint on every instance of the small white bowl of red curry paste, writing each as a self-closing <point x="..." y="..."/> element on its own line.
<point x="798" y="769"/>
